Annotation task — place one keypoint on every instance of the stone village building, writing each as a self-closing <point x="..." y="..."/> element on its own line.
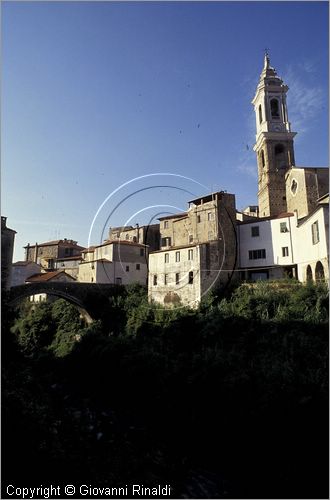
<point x="49" y="253"/>
<point x="198" y="249"/>
<point x="118" y="262"/>
<point x="286" y="235"/>
<point x="147" y="235"/>
<point x="7" y="249"/>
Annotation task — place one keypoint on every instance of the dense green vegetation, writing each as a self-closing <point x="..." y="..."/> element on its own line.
<point x="229" y="400"/>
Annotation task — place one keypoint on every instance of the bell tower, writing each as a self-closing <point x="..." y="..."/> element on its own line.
<point x="274" y="141"/>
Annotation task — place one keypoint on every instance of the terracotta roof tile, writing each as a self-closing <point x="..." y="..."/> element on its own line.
<point x="174" y="216"/>
<point x="40" y="277"/>
<point x="67" y="243"/>
<point x="24" y="263"/>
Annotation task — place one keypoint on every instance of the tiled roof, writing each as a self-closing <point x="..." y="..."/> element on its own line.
<point x="40" y="277"/>
<point x="67" y="243"/>
<point x="95" y="260"/>
<point x="89" y="249"/>
<point x="126" y="242"/>
<point x="24" y="263"/>
<point x="207" y="198"/>
<point x="256" y="220"/>
<point x="74" y="257"/>
<point x="174" y="216"/>
<point x="122" y="228"/>
<point x="115" y="242"/>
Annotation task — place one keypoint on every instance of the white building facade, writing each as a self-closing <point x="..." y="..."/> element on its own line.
<point x="285" y="246"/>
<point x="117" y="262"/>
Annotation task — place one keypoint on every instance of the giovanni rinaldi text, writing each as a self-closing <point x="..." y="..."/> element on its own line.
<point x="88" y="490"/>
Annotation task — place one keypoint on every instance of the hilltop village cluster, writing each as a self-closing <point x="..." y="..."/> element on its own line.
<point x="212" y="243"/>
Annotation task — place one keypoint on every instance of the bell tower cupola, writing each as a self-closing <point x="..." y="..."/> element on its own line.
<point x="274" y="141"/>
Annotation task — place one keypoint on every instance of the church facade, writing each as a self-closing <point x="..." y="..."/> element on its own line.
<point x="286" y="235"/>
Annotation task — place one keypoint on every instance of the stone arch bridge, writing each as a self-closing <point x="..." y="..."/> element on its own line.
<point x="92" y="299"/>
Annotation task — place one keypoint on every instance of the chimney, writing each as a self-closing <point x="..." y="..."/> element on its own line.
<point x="36" y="252"/>
<point x="27" y="252"/>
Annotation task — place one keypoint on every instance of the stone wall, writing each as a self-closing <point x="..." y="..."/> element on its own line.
<point x="304" y="186"/>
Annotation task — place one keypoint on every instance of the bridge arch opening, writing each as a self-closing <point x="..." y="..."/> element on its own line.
<point x="54" y="294"/>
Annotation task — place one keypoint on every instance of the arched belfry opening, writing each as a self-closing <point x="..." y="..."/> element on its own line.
<point x="280" y="156"/>
<point x="274" y="108"/>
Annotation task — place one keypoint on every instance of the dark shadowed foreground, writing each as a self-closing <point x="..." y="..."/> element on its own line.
<point x="229" y="401"/>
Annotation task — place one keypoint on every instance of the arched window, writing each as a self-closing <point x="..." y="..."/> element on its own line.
<point x="319" y="271"/>
<point x="281" y="160"/>
<point x="263" y="159"/>
<point x="260" y="113"/>
<point x="274" y="108"/>
<point x="127" y="237"/>
<point x="134" y="239"/>
<point x="309" y="274"/>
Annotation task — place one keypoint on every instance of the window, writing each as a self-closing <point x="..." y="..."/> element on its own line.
<point x="165" y="224"/>
<point x="210" y="216"/>
<point x="294" y="186"/>
<point x="167" y="258"/>
<point x="50" y="263"/>
<point x="141" y="252"/>
<point x="263" y="163"/>
<point x="191" y="277"/>
<point x="210" y="235"/>
<point x="165" y="279"/>
<point x="166" y="242"/>
<point x="279" y="149"/>
<point x="274" y="108"/>
<point x="190" y="254"/>
<point x="315" y="232"/>
<point x="127" y="237"/>
<point x="260" y="114"/>
<point x="118" y="281"/>
<point x="198" y="218"/>
<point x="134" y="239"/>
<point x="283" y="227"/>
<point x="155" y="280"/>
<point x="255" y="231"/>
<point x="285" y="251"/>
<point x="190" y="238"/>
<point x="257" y="254"/>
<point x="177" y="278"/>
<point x="177" y="256"/>
<point x="92" y="279"/>
<point x="138" y="267"/>
<point x="127" y="268"/>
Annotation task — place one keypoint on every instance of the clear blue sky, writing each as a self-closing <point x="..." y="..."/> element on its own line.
<point x="95" y="94"/>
